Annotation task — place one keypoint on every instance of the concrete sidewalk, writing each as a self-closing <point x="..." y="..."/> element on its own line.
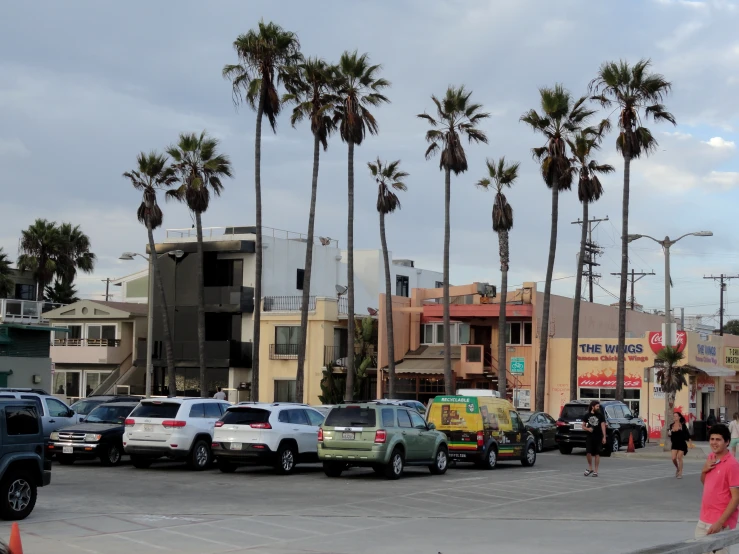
<point x="654" y="451"/>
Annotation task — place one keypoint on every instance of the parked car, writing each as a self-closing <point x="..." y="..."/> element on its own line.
<point x="22" y="465"/>
<point x="412" y="404"/>
<point x="54" y="413"/>
<point x="482" y="429"/>
<point x="173" y="428"/>
<point x="382" y="435"/>
<point x="99" y="436"/>
<point x="543" y="427"/>
<point x="85" y="405"/>
<point x="620" y="424"/>
<point x="280" y="434"/>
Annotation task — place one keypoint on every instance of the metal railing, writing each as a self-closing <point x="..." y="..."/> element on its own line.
<point x="334" y="356"/>
<point x="234" y="231"/>
<point x="105" y="343"/>
<point x="283" y="351"/>
<point x="344" y="305"/>
<point x="710" y="543"/>
<point x="24" y="311"/>
<point x="287" y="303"/>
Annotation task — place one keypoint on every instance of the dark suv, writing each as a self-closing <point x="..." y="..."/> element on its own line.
<point x="620" y="424"/>
<point x="22" y="465"/>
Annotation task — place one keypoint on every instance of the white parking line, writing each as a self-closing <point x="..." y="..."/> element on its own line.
<point x="189" y="536"/>
<point x="143" y="543"/>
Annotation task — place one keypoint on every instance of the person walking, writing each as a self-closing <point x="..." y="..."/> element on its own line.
<point x="720" y="478"/>
<point x="679" y="436"/>
<point x="595" y="425"/>
<point x="734" y="428"/>
<point x="220" y="395"/>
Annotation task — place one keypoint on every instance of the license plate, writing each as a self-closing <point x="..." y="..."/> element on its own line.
<point x="457" y="455"/>
<point x="577" y="426"/>
<point x="347" y="436"/>
<point x="148" y="428"/>
<point x="235" y="446"/>
<point x="67" y="450"/>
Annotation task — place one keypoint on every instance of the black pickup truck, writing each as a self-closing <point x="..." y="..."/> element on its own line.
<point x="22" y="465"/>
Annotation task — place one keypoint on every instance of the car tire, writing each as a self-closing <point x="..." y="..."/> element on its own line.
<point x="441" y="461"/>
<point x="394" y="467"/>
<point x="17" y="496"/>
<point x="615" y="443"/>
<point x="287" y="459"/>
<point x="111" y="456"/>
<point x="65" y="459"/>
<point x="540" y="444"/>
<point x="333" y="469"/>
<point x="565" y="449"/>
<point x="642" y="439"/>
<point x="200" y="456"/>
<point x="225" y="466"/>
<point x="140" y="463"/>
<point x="529" y="458"/>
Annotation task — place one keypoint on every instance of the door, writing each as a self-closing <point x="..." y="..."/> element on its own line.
<point x="517" y="435"/>
<point x="212" y="414"/>
<point x="59" y="416"/>
<point x="92" y="380"/>
<point x="315" y="419"/>
<point x="630" y="424"/>
<point x="409" y="434"/>
<point x="550" y="430"/>
<point x="302" y="430"/>
<point x="67" y="384"/>
<point x="426" y="437"/>
<point x="614" y="414"/>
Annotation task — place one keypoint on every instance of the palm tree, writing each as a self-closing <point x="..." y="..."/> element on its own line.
<point x="74" y="253"/>
<point x="263" y="54"/>
<point x="199" y="169"/>
<point x="388" y="177"/>
<point x="40" y="245"/>
<point x="560" y="118"/>
<point x="358" y="88"/>
<point x="309" y="86"/>
<point x="151" y="175"/>
<point x="456" y="117"/>
<point x="501" y="175"/>
<point x="7" y="285"/>
<point x="589" y="189"/>
<point x="62" y="292"/>
<point x="638" y="94"/>
<point x="671" y="378"/>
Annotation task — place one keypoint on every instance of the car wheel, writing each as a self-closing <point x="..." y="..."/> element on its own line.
<point x="491" y="458"/>
<point x="111" y="456"/>
<point x="286" y="459"/>
<point x="226" y="466"/>
<point x="65" y="459"/>
<point x="540" y="445"/>
<point x="333" y="469"/>
<point x="140" y="463"/>
<point x="17" y="496"/>
<point x="615" y="443"/>
<point x="394" y="468"/>
<point x="530" y="458"/>
<point x="200" y="456"/>
<point x="441" y="461"/>
<point x="642" y="439"/>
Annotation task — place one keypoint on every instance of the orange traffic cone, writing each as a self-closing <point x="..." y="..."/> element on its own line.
<point x="15" y="546"/>
<point x="630" y="448"/>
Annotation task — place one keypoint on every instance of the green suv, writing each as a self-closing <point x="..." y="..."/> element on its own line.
<point x="384" y="436"/>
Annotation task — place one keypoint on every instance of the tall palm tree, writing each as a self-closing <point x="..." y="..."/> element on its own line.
<point x="309" y="86"/>
<point x="7" y="286"/>
<point x="153" y="174"/>
<point x="40" y="246"/>
<point x="638" y="95"/>
<point x="74" y="253"/>
<point x="671" y="378"/>
<point x="358" y="88"/>
<point x="264" y="54"/>
<point x="589" y="189"/>
<point x="456" y="117"/>
<point x="199" y="169"/>
<point x="62" y="292"/>
<point x="388" y="177"/>
<point x="560" y="118"/>
<point x="501" y="175"/>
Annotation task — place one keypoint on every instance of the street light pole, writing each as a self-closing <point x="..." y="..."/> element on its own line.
<point x="150" y="328"/>
<point x="667" y="338"/>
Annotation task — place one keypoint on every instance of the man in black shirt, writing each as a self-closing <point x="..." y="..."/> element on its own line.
<point x="595" y="426"/>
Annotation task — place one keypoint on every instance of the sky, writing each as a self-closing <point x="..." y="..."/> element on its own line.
<point x="86" y="85"/>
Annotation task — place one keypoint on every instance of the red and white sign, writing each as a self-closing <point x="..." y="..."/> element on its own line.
<point x="655" y="341"/>
<point x="602" y="379"/>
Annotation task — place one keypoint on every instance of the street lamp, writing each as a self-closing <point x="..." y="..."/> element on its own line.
<point x="666" y="244"/>
<point x="128" y="256"/>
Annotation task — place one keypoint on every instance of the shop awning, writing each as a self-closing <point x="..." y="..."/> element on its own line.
<point x="420" y="366"/>
<point x="715" y="371"/>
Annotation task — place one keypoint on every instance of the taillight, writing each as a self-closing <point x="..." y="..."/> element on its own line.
<point x="260" y="426"/>
<point x="219" y="424"/>
<point x="480" y="438"/>
<point x="380" y="436"/>
<point x="320" y="434"/>
<point x="215" y="445"/>
<point x="130" y="422"/>
<point x="562" y="424"/>
<point x="169" y="423"/>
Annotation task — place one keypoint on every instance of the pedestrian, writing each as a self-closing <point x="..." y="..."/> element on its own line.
<point x="220" y="395"/>
<point x="679" y="436"/>
<point x="734" y="428"/>
<point x="595" y="425"/>
<point x="720" y="478"/>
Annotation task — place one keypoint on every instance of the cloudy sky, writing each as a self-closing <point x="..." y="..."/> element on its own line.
<point x="86" y="85"/>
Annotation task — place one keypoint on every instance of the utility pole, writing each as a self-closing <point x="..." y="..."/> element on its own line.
<point x="107" y="288"/>
<point x="591" y="251"/>
<point x="721" y="278"/>
<point x="632" y="277"/>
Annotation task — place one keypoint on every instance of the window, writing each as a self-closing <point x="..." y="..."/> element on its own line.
<point x="439" y="284"/>
<point x="550" y="419"/>
<point x="197" y="411"/>
<point x="287" y="340"/>
<point x="351" y="416"/>
<point x="108" y="414"/>
<point x="613" y="412"/>
<point x="401" y="285"/>
<point x="101" y="334"/>
<point x="156" y="410"/>
<point x="519" y="333"/>
<point x="388" y="418"/>
<point x="21" y="420"/>
<point x="25" y="292"/>
<point x="299" y="279"/>
<point x="433" y="333"/>
<point x="245" y="416"/>
<point x="515" y="421"/>
<point x="417" y="421"/>
<point x="404" y="419"/>
<point x="627" y="412"/>
<point x="212" y="410"/>
<point x="297" y="417"/>
<point x="285" y="390"/>
<point x="316" y="418"/>
<point x="37" y="400"/>
<point x="56" y="408"/>
<point x="574" y="411"/>
<point x="440" y="334"/>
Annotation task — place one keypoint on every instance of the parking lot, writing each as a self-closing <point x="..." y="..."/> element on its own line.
<point x="548" y="508"/>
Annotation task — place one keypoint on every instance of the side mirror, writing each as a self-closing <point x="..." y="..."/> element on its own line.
<point x="431" y="426"/>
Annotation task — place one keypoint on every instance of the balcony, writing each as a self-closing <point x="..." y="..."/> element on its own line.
<point x="89" y="351"/>
<point x="334" y="356"/>
<point x="235" y="299"/>
<point x="218" y="353"/>
<point x="287" y="303"/>
<point x="283" y="351"/>
<point x="26" y="312"/>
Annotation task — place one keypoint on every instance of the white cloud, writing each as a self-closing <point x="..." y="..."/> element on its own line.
<point x="724" y="180"/>
<point x="677" y="134"/>
<point x="13" y="148"/>
<point x="680" y="35"/>
<point x="718" y="142"/>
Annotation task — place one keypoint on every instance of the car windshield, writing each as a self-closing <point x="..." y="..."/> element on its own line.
<point x="351" y="416"/>
<point x="156" y="410"/>
<point x="574" y="411"/>
<point x="84" y="407"/>
<point x="108" y="414"/>
<point x="525" y="417"/>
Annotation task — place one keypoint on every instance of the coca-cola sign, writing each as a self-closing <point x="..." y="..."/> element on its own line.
<point x="655" y="341"/>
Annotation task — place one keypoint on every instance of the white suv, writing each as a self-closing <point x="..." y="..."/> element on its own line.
<point x="280" y="434"/>
<point x="175" y="428"/>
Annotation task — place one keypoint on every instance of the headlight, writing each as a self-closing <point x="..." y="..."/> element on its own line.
<point x="92" y="438"/>
<point x="54" y="436"/>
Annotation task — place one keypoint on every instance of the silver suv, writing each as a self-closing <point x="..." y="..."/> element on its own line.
<point x="54" y="413"/>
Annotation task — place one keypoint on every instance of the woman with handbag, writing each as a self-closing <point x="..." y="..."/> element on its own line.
<point x="679" y="436"/>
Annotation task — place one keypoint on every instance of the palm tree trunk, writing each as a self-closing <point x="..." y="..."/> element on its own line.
<point x="300" y="376"/>
<point x="388" y="312"/>
<point x="622" y="290"/>
<point x="201" y="308"/>
<point x="502" y="362"/>
<point x="165" y="313"/>
<point x="349" y="394"/>
<point x="541" y="372"/>
<point x="448" y="386"/>
<point x="668" y="418"/>
<point x="576" y="309"/>
<point x="257" y="247"/>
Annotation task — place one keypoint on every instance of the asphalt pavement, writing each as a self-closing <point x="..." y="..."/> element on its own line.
<point x="551" y="508"/>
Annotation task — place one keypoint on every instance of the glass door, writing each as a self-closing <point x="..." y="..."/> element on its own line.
<point x="93" y="379"/>
<point x="67" y="384"/>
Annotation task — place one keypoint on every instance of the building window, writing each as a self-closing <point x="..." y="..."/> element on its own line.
<point x="519" y="333"/>
<point x="284" y="391"/>
<point x="287" y="340"/>
<point x="299" y="280"/>
<point x="401" y="285"/>
<point x="433" y="333"/>
<point x="25" y="292"/>
<point x="100" y="334"/>
<point x="439" y="284"/>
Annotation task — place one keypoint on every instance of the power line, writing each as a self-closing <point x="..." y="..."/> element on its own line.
<point x="633" y="280"/>
<point x="721" y="278"/>
<point x="591" y="251"/>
